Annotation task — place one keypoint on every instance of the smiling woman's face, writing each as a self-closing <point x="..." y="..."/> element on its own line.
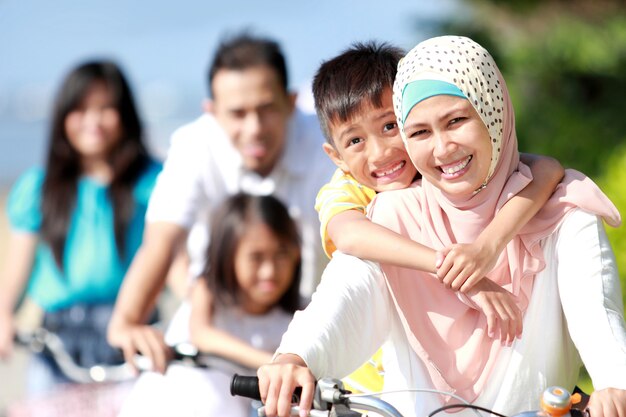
<point x="449" y="144"/>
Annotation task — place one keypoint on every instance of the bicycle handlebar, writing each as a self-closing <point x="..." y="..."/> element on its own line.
<point x="332" y="400"/>
<point x="245" y="386"/>
<point x="41" y="340"/>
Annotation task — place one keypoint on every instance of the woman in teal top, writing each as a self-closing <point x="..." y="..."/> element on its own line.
<point x="76" y="225"/>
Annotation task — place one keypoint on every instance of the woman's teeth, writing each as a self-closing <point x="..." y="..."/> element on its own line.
<point x="453" y="169"/>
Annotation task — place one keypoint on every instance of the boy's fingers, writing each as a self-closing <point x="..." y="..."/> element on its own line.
<point x="459" y="280"/>
<point x="450" y="276"/>
<point x="444" y="270"/>
<point x="491" y="320"/>
<point x="439" y="258"/>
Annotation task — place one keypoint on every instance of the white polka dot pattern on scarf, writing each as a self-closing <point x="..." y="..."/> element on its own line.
<point x="460" y="61"/>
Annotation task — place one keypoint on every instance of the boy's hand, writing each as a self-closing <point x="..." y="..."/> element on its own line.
<point x="498" y="305"/>
<point x="608" y="402"/>
<point x="277" y="382"/>
<point x="465" y="264"/>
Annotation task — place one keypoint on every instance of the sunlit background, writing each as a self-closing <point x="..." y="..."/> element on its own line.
<point x="165" y="48"/>
<point x="564" y="62"/>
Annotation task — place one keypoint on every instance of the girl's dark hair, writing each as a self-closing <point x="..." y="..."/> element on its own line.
<point x="358" y="76"/>
<point x="63" y="168"/>
<point x="228" y="225"/>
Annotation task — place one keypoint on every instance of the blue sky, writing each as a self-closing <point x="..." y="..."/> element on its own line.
<point x="165" y="46"/>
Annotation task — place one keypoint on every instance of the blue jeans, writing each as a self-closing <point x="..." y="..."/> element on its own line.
<point x="82" y="329"/>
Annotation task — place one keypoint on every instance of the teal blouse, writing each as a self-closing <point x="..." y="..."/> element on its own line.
<point x="93" y="270"/>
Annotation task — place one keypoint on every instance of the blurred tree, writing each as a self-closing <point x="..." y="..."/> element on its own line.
<point x="565" y="65"/>
<point x="564" y="62"/>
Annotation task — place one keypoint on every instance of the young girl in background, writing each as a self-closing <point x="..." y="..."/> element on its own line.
<point x="241" y="306"/>
<point x="77" y="223"/>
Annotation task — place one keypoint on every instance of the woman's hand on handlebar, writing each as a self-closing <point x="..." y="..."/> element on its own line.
<point x="608" y="402"/>
<point x="144" y="340"/>
<point x="277" y="382"/>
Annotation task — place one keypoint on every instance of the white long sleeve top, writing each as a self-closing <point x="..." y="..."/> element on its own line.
<point x="575" y="312"/>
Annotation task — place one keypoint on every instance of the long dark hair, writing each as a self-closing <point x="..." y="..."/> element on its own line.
<point x="228" y="225"/>
<point x="63" y="168"/>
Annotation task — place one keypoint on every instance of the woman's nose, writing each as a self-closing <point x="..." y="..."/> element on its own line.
<point x="443" y="145"/>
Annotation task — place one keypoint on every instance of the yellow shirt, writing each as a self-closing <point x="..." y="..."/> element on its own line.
<point x="342" y="193"/>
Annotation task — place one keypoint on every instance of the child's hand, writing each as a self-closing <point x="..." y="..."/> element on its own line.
<point x="465" y="264"/>
<point x="277" y="382"/>
<point x="145" y="340"/>
<point x="498" y="305"/>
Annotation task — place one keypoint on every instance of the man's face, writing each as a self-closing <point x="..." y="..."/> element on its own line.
<point x="253" y="109"/>
<point x="370" y="148"/>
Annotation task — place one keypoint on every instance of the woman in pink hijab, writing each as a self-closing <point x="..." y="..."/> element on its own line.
<point x="457" y="121"/>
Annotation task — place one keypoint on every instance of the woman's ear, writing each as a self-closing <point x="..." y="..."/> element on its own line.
<point x="208" y="106"/>
<point x="335" y="157"/>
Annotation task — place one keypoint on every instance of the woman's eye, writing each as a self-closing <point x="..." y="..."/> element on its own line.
<point x="416" y="134"/>
<point x="457" y="120"/>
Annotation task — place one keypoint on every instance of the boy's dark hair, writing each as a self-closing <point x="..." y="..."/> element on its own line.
<point x="228" y="225"/>
<point x="245" y="51"/>
<point x="356" y="77"/>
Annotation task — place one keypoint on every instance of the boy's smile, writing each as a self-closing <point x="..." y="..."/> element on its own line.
<point x="369" y="147"/>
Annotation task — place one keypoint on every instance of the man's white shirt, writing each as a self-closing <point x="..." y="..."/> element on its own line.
<point x="203" y="168"/>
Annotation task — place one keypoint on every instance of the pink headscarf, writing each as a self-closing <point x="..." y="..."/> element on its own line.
<point x="448" y="335"/>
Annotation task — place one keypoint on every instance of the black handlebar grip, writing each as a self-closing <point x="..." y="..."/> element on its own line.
<point x="245" y="386"/>
<point x="248" y="386"/>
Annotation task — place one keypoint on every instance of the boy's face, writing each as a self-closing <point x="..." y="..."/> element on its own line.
<point x="370" y="148"/>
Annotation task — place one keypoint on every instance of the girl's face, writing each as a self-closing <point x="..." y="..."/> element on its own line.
<point x="449" y="144"/>
<point x="264" y="267"/>
<point x="94" y="127"/>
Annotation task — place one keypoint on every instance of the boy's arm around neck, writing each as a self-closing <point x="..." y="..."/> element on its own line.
<point x="354" y="234"/>
<point x="547" y="174"/>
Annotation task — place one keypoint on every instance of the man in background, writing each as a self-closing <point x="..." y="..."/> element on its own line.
<point x="251" y="138"/>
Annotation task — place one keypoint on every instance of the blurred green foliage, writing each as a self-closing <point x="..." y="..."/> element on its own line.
<point x="564" y="62"/>
<point x="565" y="66"/>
